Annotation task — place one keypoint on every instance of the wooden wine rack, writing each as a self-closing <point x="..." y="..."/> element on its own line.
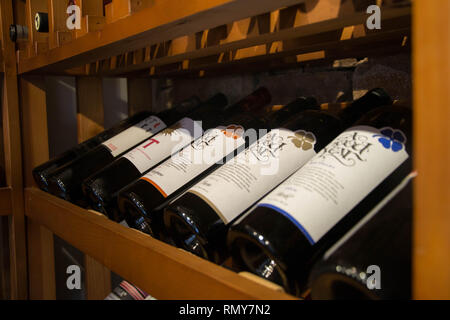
<point x="140" y="39"/>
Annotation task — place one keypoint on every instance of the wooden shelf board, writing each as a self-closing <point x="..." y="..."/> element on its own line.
<point x="160" y="269"/>
<point x="5" y="201"/>
<point x="162" y="21"/>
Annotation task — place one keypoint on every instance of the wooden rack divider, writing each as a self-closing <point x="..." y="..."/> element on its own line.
<point x="5" y="201"/>
<point x="13" y="158"/>
<point x="144" y="39"/>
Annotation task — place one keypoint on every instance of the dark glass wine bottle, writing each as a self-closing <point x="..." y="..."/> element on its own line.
<point x="43" y="171"/>
<point x="374" y="98"/>
<point x="198" y="220"/>
<point x="372" y="260"/>
<point x="102" y="188"/>
<point x="288" y="229"/>
<point x="127" y="291"/>
<point x="142" y="202"/>
<point x="41" y="22"/>
<point x="65" y="182"/>
<point x="18" y="33"/>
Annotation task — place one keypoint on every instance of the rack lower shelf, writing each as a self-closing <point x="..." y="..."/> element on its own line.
<point x="5" y="201"/>
<point x="160" y="269"/>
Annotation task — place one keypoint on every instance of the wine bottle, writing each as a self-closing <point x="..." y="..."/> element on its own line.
<point x="41" y="22"/>
<point x="373" y="259"/>
<point x="102" y="188"/>
<point x="43" y="171"/>
<point x="373" y="98"/>
<point x="199" y="219"/>
<point x="65" y="182"/>
<point x="323" y="199"/>
<point x="18" y="33"/>
<point x="142" y="202"/>
<point x="127" y="291"/>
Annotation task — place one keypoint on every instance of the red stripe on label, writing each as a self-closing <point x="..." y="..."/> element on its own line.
<point x="131" y="290"/>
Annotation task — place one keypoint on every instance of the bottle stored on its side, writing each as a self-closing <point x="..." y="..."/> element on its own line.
<point x="127" y="291"/>
<point x="18" y="33"/>
<point x="142" y="203"/>
<point x="373" y="259"/>
<point x="323" y="199"/>
<point x="65" y="182"/>
<point x="198" y="220"/>
<point x="42" y="172"/>
<point x="373" y="98"/>
<point x="102" y="188"/>
<point x="41" y="22"/>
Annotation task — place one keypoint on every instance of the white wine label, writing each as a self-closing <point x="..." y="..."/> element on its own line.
<point x="234" y="187"/>
<point x="165" y="143"/>
<point x="133" y="135"/>
<point x="324" y="190"/>
<point x="191" y="161"/>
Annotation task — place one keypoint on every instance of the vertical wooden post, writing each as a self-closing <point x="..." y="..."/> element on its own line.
<point x="431" y="52"/>
<point x="41" y="260"/>
<point x="91" y="7"/>
<point x="13" y="154"/>
<point x="38" y="41"/>
<point x="90" y="107"/>
<point x="139" y="95"/>
<point x="98" y="279"/>
<point x="57" y="23"/>
<point x="92" y="16"/>
<point x="4" y="260"/>
<point x="90" y="123"/>
<point x="19" y="10"/>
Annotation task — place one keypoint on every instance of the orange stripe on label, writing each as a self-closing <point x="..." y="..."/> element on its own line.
<point x="155" y="185"/>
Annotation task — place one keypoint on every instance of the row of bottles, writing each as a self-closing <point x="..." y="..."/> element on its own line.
<point x="273" y="189"/>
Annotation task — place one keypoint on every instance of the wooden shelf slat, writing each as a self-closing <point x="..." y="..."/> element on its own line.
<point x="13" y="157"/>
<point x="162" y="21"/>
<point x="5" y="201"/>
<point x="325" y="47"/>
<point x="162" y="270"/>
<point x="186" y="49"/>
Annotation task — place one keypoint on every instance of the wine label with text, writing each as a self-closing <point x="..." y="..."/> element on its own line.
<point x="234" y="187"/>
<point x="163" y="144"/>
<point x="133" y="135"/>
<point x="190" y="162"/>
<point x="324" y="190"/>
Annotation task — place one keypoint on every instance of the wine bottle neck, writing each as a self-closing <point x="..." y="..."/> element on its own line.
<point x="193" y="245"/>
<point x="285" y="115"/>
<point x="142" y="225"/>
<point x="371" y="100"/>
<point x="253" y="103"/>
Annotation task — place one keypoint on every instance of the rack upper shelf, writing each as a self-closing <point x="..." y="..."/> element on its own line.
<point x="162" y="21"/>
<point x="162" y="40"/>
